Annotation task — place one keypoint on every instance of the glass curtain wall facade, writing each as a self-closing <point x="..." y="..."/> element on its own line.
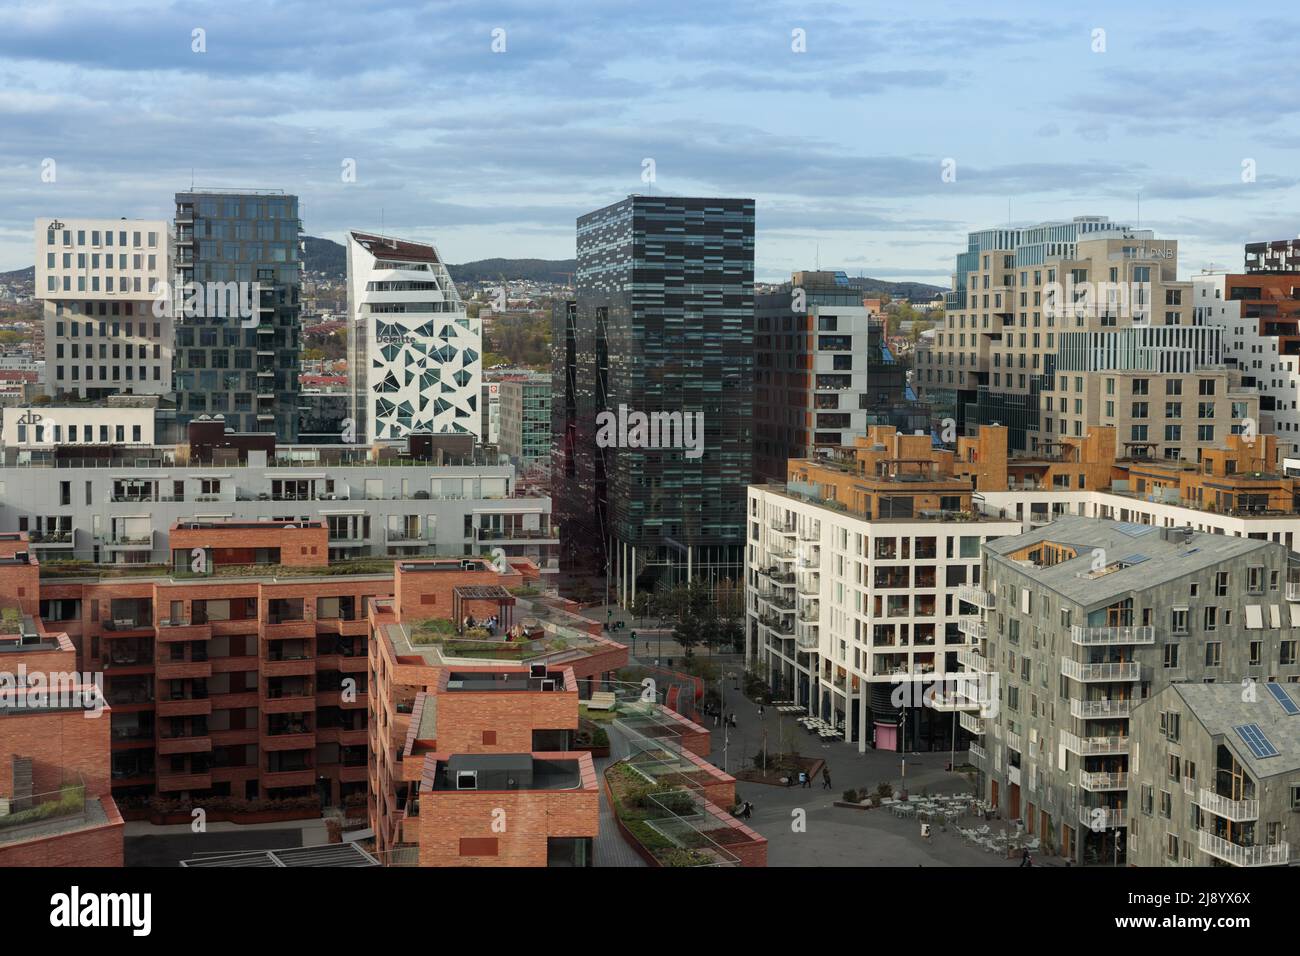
<point x="242" y="364"/>
<point x="663" y="323"/>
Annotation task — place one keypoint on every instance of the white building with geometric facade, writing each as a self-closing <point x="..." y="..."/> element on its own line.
<point x="415" y="355"/>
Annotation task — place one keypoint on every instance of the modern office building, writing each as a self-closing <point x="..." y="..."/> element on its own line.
<point x="415" y="355"/>
<point x="237" y="280"/>
<point x="1044" y="322"/>
<point x="114" y="504"/>
<point x="822" y="372"/>
<point x="98" y="281"/>
<point x="525" y="402"/>
<point x="854" y="568"/>
<point x="1081" y="620"/>
<point x="662" y="332"/>
<point x="1216" y="775"/>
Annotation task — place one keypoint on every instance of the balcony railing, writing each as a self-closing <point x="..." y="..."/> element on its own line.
<point x="974" y="661"/>
<point x="1093" y="746"/>
<point x="972" y="627"/>
<point x="1103" y="781"/>
<point x="1120" y="670"/>
<point x="1293" y="590"/>
<point x="971" y="722"/>
<point x="1092" y="636"/>
<point x="1102" y="818"/>
<point x="1238" y="811"/>
<point x="1277" y="855"/>
<point x="975" y="595"/>
<point x="1100" y="709"/>
<point x="977" y="752"/>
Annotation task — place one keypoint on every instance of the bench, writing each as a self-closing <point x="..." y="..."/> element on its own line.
<point x="602" y="700"/>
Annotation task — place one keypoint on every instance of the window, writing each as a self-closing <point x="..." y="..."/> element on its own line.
<point x="1171" y="655"/>
<point x="1213" y="652"/>
<point x="1178" y="620"/>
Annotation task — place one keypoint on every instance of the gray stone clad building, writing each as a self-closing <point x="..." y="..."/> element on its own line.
<point x="1087" y="619"/>
<point x="1216" y="776"/>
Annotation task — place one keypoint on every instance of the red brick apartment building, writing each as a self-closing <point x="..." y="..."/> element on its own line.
<point x="470" y="762"/>
<point x="56" y="808"/>
<point x="243" y="673"/>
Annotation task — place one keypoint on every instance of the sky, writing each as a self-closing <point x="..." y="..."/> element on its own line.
<point x="873" y="136"/>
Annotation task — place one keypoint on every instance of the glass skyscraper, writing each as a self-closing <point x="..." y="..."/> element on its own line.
<point x="662" y="324"/>
<point x="241" y="366"/>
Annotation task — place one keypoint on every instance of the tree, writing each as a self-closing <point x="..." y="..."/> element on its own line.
<point x="730" y="603"/>
<point x="641" y="606"/>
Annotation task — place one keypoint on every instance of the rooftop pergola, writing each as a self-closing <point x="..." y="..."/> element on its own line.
<point x="461" y="593"/>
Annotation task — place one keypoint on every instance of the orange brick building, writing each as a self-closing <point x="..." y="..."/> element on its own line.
<point x="436" y="701"/>
<point x="55" y="804"/>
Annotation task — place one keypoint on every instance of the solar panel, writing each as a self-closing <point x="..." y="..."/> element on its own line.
<point x="1284" y="699"/>
<point x="1259" y="744"/>
<point x="1133" y="559"/>
<point x="1133" y="529"/>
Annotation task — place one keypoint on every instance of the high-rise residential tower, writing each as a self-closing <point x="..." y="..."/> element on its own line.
<point x="99" y="280"/>
<point x="237" y="282"/>
<point x="415" y="356"/>
<point x="662" y="328"/>
<point x="823" y="372"/>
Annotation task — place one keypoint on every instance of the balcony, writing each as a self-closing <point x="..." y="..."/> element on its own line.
<point x="1100" y="709"/>
<point x="1013" y="741"/>
<point x="1221" y="849"/>
<point x="129" y="542"/>
<point x="184" y="781"/>
<point x="973" y="627"/>
<point x="285" y="630"/>
<point x="289" y="778"/>
<point x="976" y="596"/>
<point x="1116" y="671"/>
<point x="1098" y="782"/>
<point x="978" y="753"/>
<point x="178" y="630"/>
<point x="948" y="701"/>
<point x="1093" y="636"/>
<point x="1013" y="775"/>
<point x="1103" y="818"/>
<point x="806" y="635"/>
<point x="1093" y="746"/>
<point x="180" y="670"/>
<point x="51" y="539"/>
<point x="974" y="661"/>
<point x="303" y="666"/>
<point x="1238" y="811"/>
<point x="184" y="745"/>
<point x="1293" y="590"/>
<point x="517" y="535"/>
<point x="184" y="707"/>
<point x="971" y="722"/>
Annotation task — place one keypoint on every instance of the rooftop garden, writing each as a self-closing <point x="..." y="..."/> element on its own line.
<point x="476" y="642"/>
<point x="640" y="804"/>
<point x="82" y="569"/>
<point x="11" y="620"/>
<point x="68" y="801"/>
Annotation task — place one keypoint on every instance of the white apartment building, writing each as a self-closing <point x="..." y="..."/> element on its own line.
<point x="1255" y="354"/>
<point x="843" y="610"/>
<point x="47" y="426"/>
<point x="416" y="357"/>
<point x="99" y="280"/>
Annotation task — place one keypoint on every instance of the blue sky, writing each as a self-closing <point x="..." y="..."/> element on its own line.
<point x="491" y="153"/>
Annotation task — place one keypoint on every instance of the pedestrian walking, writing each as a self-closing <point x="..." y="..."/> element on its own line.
<point x="760" y="711"/>
<point x="826" y="777"/>
<point x="804" y="782"/>
<point x="749" y="808"/>
<point x="1026" y="859"/>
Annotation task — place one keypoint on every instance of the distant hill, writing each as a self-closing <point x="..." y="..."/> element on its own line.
<point x="535" y="270"/>
<point x="19" y="275"/>
<point x="329" y="258"/>
<point x="325" y="256"/>
<point x="915" y="291"/>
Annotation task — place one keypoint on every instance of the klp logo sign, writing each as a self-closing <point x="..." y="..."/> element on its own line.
<point x="209" y="300"/>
